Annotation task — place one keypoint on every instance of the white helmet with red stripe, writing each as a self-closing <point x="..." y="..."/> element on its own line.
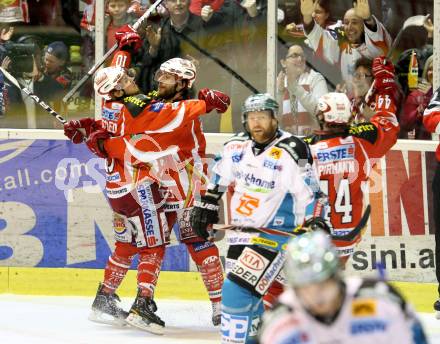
<point x="335" y="107"/>
<point x="109" y="79"/>
<point x="182" y="68"/>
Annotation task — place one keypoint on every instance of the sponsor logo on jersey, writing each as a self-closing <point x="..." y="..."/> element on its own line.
<point x="114" y="177"/>
<point x="275" y="153"/>
<point x="272" y="165"/>
<point x="345" y="152"/>
<point x="147" y="202"/>
<point x="361" y="128"/>
<point x="201" y="246"/>
<point x="363" y="308"/>
<point x="278" y="221"/>
<point x="135" y="101"/>
<point x="359" y="327"/>
<point x="234" y="328"/>
<point x="156" y="107"/>
<point x="264" y="242"/>
<point x="236" y="157"/>
<point x="250" y="178"/>
<point x="250" y="266"/>
<point x="253" y="260"/>
<point x="210" y="260"/>
<point x="271" y="273"/>
<point x="119" y="225"/>
<point x="110" y="114"/>
<point x="171" y="206"/>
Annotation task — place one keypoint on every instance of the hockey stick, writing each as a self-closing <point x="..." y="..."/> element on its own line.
<point x="418" y="20"/>
<point x="219" y="62"/>
<point x="98" y="64"/>
<point x="36" y="99"/>
<point x="300" y="230"/>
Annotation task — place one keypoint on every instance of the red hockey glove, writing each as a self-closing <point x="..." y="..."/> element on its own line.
<point x="214" y="100"/>
<point x="128" y="39"/>
<point x="72" y="132"/>
<point x="95" y="142"/>
<point x="383" y="72"/>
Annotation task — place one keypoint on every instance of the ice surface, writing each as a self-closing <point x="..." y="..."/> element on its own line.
<point x="50" y="319"/>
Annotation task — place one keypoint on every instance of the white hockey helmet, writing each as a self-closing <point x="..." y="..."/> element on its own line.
<point x="109" y="79"/>
<point x="310" y="258"/>
<point x="181" y="68"/>
<point x="335" y="107"/>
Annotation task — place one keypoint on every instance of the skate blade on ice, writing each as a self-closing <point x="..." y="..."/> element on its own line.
<point x="137" y="321"/>
<point x="103" y="318"/>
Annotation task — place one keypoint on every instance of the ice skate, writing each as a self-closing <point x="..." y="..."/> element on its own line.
<point x="437" y="309"/>
<point x="105" y="309"/>
<point x="142" y="315"/>
<point x="216" y="313"/>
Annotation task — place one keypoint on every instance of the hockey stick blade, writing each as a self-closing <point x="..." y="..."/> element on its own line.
<point x="98" y="64"/>
<point x="297" y="231"/>
<point x="35" y="98"/>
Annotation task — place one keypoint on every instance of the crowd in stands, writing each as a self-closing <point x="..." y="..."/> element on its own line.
<point x="323" y="46"/>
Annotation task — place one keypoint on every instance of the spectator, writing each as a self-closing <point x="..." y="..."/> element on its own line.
<point x="362" y="80"/>
<point x="411" y="118"/>
<point x="117" y="17"/>
<point x="22" y="111"/>
<point x="302" y="87"/>
<point x="205" y="8"/>
<point x="361" y="35"/>
<point x="321" y="15"/>
<point x="14" y="11"/>
<point x="56" y="58"/>
<point x="163" y="41"/>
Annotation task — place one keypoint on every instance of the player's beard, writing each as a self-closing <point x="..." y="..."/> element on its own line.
<point x="167" y="93"/>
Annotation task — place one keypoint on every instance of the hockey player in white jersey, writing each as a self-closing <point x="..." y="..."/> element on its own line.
<point x="275" y="187"/>
<point x="322" y="307"/>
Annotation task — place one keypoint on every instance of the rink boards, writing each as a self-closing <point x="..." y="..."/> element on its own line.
<point x="54" y="216"/>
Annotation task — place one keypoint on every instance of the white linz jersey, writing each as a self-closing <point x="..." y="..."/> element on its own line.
<point x="372" y="312"/>
<point x="274" y="189"/>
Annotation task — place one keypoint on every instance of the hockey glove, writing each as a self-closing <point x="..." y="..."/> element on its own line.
<point x="128" y="39"/>
<point x="214" y="100"/>
<point x="95" y="142"/>
<point x="72" y="132"/>
<point x="203" y="214"/>
<point x="383" y="72"/>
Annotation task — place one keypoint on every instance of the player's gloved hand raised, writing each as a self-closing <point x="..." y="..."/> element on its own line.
<point x="214" y="100"/>
<point x="128" y="39"/>
<point x="88" y="125"/>
<point x="383" y="72"/>
<point x="95" y="142"/>
<point x="203" y="214"/>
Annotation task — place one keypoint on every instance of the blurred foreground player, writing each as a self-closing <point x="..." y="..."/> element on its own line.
<point x="322" y="307"/>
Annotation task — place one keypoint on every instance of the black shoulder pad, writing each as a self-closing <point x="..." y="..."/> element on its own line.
<point x="241" y="137"/>
<point x="136" y="104"/>
<point x="297" y="149"/>
<point x="366" y="131"/>
<point x="376" y="288"/>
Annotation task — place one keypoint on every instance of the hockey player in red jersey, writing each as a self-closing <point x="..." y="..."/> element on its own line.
<point x="345" y="154"/>
<point x="431" y="121"/>
<point x="137" y="193"/>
